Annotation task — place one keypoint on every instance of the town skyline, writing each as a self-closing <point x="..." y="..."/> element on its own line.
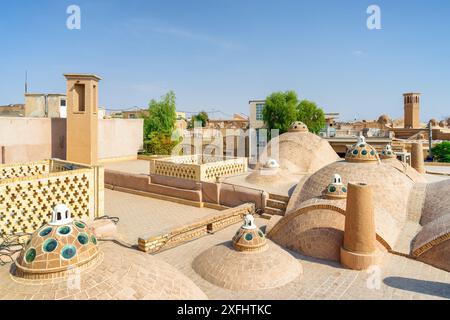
<point x="213" y="65"/>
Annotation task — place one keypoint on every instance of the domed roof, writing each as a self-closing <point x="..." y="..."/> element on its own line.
<point x="57" y="247"/>
<point x="121" y="274"/>
<point x="336" y="189"/>
<point x="249" y="237"/>
<point x="391" y="186"/>
<point x="388" y="153"/>
<point x="434" y="122"/>
<point x="383" y="119"/>
<point x="362" y="152"/>
<point x="298" y="126"/>
<point x="299" y="152"/>
<point x="249" y="262"/>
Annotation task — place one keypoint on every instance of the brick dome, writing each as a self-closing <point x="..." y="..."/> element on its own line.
<point x="392" y="188"/>
<point x="248" y="262"/>
<point x="388" y="153"/>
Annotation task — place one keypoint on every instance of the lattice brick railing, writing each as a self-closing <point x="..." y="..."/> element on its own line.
<point x="26" y="202"/>
<point x="198" y="167"/>
<point x="210" y="171"/>
<point x="24" y="169"/>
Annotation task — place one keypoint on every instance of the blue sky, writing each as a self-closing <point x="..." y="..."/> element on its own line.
<point x="218" y="54"/>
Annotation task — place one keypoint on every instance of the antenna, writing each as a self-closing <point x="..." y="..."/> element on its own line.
<point x="26" y="81"/>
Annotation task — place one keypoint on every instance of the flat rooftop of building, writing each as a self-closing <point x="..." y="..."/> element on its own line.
<point x="129" y="166"/>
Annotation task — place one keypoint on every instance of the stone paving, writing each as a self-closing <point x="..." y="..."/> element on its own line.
<point x="397" y="278"/>
<point x="142" y="216"/>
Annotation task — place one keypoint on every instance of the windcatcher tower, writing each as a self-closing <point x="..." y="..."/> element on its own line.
<point x="412" y="110"/>
<point x="82" y="118"/>
<point x="359" y="251"/>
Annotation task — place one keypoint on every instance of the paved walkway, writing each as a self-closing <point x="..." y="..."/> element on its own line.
<point x="396" y="278"/>
<point x="142" y="216"/>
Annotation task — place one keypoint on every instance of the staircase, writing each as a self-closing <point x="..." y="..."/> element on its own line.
<point x="276" y="205"/>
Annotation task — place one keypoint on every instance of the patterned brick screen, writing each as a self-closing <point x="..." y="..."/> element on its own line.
<point x="198" y="167"/>
<point x="26" y="202"/>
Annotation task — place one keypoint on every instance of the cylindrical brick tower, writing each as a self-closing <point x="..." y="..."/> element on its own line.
<point x="417" y="157"/>
<point x="359" y="248"/>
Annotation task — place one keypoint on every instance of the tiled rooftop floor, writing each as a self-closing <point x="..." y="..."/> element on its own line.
<point x="142" y="216"/>
<point x="131" y="166"/>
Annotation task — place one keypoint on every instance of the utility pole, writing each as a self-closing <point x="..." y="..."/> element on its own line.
<point x="430" y="141"/>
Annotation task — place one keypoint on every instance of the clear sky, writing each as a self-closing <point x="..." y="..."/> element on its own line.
<point x="218" y="54"/>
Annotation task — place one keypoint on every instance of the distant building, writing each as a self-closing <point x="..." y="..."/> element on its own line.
<point x="412" y="110"/>
<point x="12" y="110"/>
<point x="256" y="116"/>
<point x="41" y="105"/>
<point x="135" y="114"/>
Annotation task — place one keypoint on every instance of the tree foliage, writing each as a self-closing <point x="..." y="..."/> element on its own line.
<point x="161" y="115"/>
<point x="159" y="125"/>
<point x="280" y="110"/>
<point x="310" y="114"/>
<point x="441" y="152"/>
<point x="202" y="117"/>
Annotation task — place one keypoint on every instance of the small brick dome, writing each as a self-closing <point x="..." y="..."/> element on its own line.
<point x="388" y="153"/>
<point x="362" y="152"/>
<point x="298" y="126"/>
<point x="57" y="247"/>
<point x="249" y="237"/>
<point x="336" y="189"/>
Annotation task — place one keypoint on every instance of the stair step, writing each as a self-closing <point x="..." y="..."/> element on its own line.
<point x="276" y="204"/>
<point x="266" y="216"/>
<point x="278" y="197"/>
<point x="274" y="211"/>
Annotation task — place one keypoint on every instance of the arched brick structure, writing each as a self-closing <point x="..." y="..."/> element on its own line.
<point x="316" y="230"/>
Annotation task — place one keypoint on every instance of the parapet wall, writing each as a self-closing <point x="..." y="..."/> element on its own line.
<point x="33" y="139"/>
<point x="176" y="237"/>
<point x="220" y="194"/>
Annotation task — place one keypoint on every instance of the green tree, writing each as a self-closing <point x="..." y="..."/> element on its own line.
<point x="159" y="125"/>
<point x="202" y="117"/>
<point x="280" y="111"/>
<point x="161" y="115"/>
<point x="310" y="114"/>
<point x="441" y="152"/>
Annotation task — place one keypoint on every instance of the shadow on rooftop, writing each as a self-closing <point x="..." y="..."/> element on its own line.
<point x="438" y="289"/>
